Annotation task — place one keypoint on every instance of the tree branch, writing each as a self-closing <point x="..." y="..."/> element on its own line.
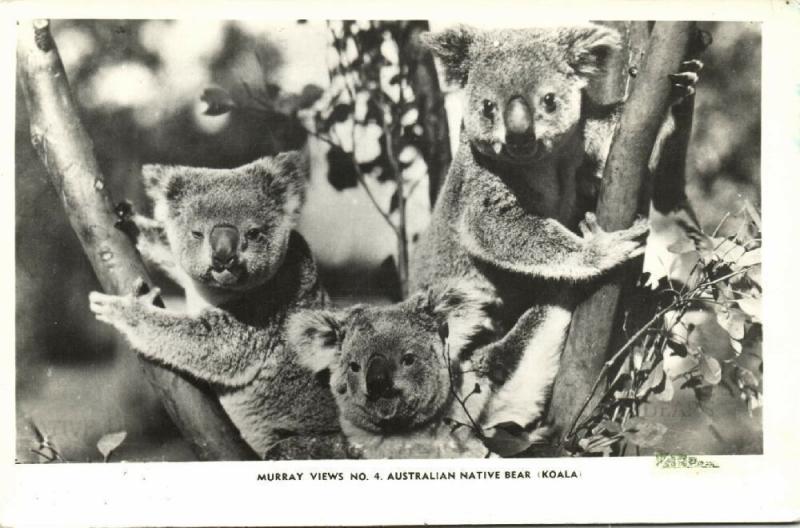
<point x="67" y="153"/>
<point x="625" y="173"/>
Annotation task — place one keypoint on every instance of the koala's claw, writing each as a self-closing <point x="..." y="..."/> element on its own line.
<point x="589" y="226"/>
<point x="687" y="79"/>
<point x="112" y="309"/>
<point x="613" y="248"/>
<point x="684" y="82"/>
<point x="108" y="308"/>
<point x="693" y="65"/>
<point x="640" y="227"/>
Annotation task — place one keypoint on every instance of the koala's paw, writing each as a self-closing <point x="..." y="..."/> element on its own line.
<point x="684" y="82"/>
<point x="123" y="311"/>
<point x="608" y="250"/>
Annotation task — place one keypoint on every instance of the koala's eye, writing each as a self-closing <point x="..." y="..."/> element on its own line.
<point x="198" y="235"/>
<point x="408" y="360"/>
<point x="489" y="108"/>
<point x="355" y="367"/>
<point x="549" y="102"/>
<point x="253" y="234"/>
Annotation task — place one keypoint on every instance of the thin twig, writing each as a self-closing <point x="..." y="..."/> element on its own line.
<point x="608" y="364"/>
<point x="729" y="275"/>
<point x="721" y="223"/>
<point x="397" y="173"/>
<point x="475" y="427"/>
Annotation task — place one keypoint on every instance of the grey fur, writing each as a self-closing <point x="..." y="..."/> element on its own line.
<point x="511" y="221"/>
<point x="234" y="334"/>
<point x="412" y="420"/>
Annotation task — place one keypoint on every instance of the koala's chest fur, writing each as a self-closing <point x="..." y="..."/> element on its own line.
<point x="282" y="399"/>
<point x="436" y="441"/>
<point x="437" y="438"/>
<point x="547" y="188"/>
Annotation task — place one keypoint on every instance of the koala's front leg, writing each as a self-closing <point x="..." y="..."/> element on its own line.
<point x="213" y="346"/>
<point x="511" y="239"/>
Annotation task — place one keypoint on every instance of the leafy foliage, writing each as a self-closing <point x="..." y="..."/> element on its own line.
<point x="370" y="116"/>
<point x="663" y="355"/>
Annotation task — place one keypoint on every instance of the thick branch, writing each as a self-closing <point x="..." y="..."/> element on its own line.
<point x="67" y="153"/>
<point x="625" y="173"/>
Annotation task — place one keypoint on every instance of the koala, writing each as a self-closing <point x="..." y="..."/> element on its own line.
<point x="226" y="236"/>
<point x="512" y="212"/>
<point x="396" y="371"/>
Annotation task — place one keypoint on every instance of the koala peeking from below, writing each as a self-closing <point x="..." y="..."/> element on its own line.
<point x="227" y="236"/>
<point x="514" y="211"/>
<point x="399" y="373"/>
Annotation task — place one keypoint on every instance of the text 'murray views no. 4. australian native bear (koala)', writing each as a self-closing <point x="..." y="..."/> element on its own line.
<point x="513" y="210"/>
<point x="227" y="237"/>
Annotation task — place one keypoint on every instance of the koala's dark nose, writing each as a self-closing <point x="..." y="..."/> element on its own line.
<point x="519" y="122"/>
<point x="379" y="377"/>
<point x="224" y="241"/>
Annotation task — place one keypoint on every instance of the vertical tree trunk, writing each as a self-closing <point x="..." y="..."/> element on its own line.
<point x="67" y="153"/>
<point x="626" y="171"/>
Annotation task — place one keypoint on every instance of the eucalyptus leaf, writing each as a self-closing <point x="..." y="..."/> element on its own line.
<point x="109" y="442"/>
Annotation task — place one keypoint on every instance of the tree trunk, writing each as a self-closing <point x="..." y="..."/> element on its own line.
<point x="67" y="153"/>
<point x="625" y="174"/>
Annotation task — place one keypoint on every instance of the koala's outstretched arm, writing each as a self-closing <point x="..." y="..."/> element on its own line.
<point x="509" y="238"/>
<point x="213" y="347"/>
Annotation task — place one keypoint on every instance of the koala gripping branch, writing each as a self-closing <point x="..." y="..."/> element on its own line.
<point x="66" y="151"/>
<point x="624" y="179"/>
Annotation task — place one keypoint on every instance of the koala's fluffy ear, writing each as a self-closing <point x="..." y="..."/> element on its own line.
<point x="315" y="336"/>
<point x="164" y="183"/>
<point x="452" y="47"/>
<point x="590" y="48"/>
<point x="287" y="172"/>
<point x="465" y="307"/>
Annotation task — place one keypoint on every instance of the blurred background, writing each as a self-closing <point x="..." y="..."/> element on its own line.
<point x="222" y="93"/>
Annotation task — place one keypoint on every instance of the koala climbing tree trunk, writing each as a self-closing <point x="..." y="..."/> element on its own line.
<point x="625" y="180"/>
<point x="66" y="151"/>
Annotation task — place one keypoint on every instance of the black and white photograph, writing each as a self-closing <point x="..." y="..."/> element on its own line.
<point x="311" y="245"/>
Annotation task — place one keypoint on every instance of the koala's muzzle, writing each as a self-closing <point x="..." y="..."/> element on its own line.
<point x="518" y="119"/>
<point x="224" y="240"/>
<point x="380" y="377"/>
